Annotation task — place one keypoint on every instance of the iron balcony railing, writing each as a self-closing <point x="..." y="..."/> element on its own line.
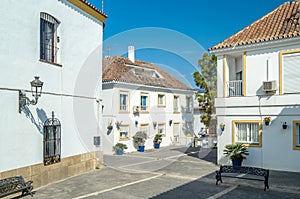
<point x="235" y="88"/>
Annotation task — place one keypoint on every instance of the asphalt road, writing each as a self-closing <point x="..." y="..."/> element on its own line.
<point x="171" y="172"/>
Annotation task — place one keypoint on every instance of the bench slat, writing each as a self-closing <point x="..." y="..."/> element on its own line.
<point x="13" y="185"/>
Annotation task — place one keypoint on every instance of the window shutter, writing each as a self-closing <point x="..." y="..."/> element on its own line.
<point x="291" y="75"/>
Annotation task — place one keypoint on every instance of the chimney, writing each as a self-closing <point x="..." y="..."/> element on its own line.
<point x="131" y="53"/>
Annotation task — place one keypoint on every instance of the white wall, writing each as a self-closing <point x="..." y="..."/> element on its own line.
<point x="158" y="114"/>
<point x="21" y="140"/>
<point x="277" y="144"/>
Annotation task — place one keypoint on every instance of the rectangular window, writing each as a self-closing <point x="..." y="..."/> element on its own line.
<point x="176" y="132"/>
<point x="189" y="104"/>
<point x="296" y="135"/>
<point x="176" y="104"/>
<point x="124" y="101"/>
<point x="248" y="132"/>
<point x="161" y="100"/>
<point x="48" y="38"/>
<point x="146" y="129"/>
<point x="291" y="76"/>
<point x="144" y="102"/>
<point x="188" y="128"/>
<point x="124" y="132"/>
<point x="161" y="129"/>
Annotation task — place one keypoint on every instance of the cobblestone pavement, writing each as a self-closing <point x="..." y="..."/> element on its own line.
<point x="170" y="172"/>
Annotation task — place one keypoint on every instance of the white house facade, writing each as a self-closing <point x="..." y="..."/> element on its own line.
<point x="142" y="97"/>
<point x="258" y="77"/>
<point x="50" y="137"/>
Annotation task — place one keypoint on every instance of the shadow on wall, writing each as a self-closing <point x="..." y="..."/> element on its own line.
<point x="42" y="117"/>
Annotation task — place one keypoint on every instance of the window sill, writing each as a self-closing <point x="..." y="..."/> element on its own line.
<point x="48" y="62"/>
<point x="176" y="112"/>
<point x="161" y="106"/>
<point x="144" y="112"/>
<point x="124" y="112"/>
<point x="296" y="148"/>
<point x="124" y="139"/>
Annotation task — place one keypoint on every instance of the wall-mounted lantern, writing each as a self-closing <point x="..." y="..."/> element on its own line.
<point x="170" y="122"/>
<point x="284" y="125"/>
<point x="36" y="90"/>
<point x="154" y="124"/>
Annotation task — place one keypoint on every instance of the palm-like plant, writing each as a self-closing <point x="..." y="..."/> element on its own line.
<point x="236" y="151"/>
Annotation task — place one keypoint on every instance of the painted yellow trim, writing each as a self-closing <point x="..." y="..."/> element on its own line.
<point x="245" y="74"/>
<point x="164" y="103"/>
<point x="294" y="134"/>
<point x="224" y="75"/>
<point x="248" y="121"/>
<point x="89" y="10"/>
<point x="173" y="129"/>
<point x="148" y="128"/>
<point x="128" y="101"/>
<point x="148" y="102"/>
<point x="162" y="123"/>
<point x="176" y="112"/>
<point x="119" y="131"/>
<point x="281" y="53"/>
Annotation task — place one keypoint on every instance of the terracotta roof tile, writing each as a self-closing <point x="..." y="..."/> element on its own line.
<point x="119" y="69"/>
<point x="283" y="22"/>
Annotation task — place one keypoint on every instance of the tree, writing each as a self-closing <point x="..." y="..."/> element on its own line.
<point x="206" y="78"/>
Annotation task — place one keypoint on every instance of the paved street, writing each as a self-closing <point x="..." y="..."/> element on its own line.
<point x="167" y="173"/>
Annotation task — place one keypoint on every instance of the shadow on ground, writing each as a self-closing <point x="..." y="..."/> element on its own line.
<point x="209" y="155"/>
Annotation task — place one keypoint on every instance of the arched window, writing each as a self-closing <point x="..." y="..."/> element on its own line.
<point x="48" y="38"/>
<point x="52" y="141"/>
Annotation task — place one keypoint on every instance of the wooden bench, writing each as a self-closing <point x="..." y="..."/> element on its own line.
<point x="243" y="170"/>
<point x="13" y="185"/>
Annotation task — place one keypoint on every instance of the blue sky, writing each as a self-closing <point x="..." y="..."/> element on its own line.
<point x="159" y="28"/>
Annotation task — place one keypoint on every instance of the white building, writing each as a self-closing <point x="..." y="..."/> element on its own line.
<point x="258" y="77"/>
<point x="61" y="42"/>
<point x="141" y="96"/>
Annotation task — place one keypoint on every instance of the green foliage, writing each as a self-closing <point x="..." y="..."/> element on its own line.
<point x="120" y="146"/>
<point x="207" y="79"/>
<point x="236" y="151"/>
<point x="157" y="139"/>
<point x="139" y="138"/>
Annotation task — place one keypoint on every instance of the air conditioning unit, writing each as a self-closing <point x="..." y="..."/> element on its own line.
<point x="270" y="86"/>
<point x="136" y="109"/>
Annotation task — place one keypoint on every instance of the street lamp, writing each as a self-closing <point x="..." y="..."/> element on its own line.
<point x="36" y="90"/>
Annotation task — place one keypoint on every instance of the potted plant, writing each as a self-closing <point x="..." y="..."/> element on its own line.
<point x="284" y="125"/>
<point x="139" y="140"/>
<point x="237" y="153"/>
<point x="110" y="126"/>
<point x="222" y="126"/>
<point x="119" y="148"/>
<point x="118" y="124"/>
<point x="267" y="120"/>
<point x="157" y="140"/>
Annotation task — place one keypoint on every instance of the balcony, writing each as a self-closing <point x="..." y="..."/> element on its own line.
<point x="234" y="88"/>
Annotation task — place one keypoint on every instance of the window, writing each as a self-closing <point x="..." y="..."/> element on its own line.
<point x="296" y="135"/>
<point x="291" y="76"/>
<point x="161" y="100"/>
<point x="144" y="102"/>
<point x="124" y="101"/>
<point x="189" y="104"/>
<point x="124" y="132"/>
<point x="52" y="141"/>
<point x="248" y="132"/>
<point x="176" y="104"/>
<point x="188" y="128"/>
<point x="146" y="129"/>
<point x="161" y="129"/>
<point x="48" y="38"/>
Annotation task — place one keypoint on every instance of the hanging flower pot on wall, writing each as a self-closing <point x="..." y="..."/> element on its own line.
<point x="284" y="125"/>
<point x="267" y="121"/>
<point x="222" y="127"/>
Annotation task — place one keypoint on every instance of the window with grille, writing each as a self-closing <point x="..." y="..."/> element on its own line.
<point x="145" y="128"/>
<point x="161" y="100"/>
<point x="176" y="103"/>
<point x="161" y="129"/>
<point x="124" y="101"/>
<point x="124" y="132"/>
<point x="48" y="38"/>
<point x="52" y="141"/>
<point x="248" y="132"/>
<point x="144" y="102"/>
